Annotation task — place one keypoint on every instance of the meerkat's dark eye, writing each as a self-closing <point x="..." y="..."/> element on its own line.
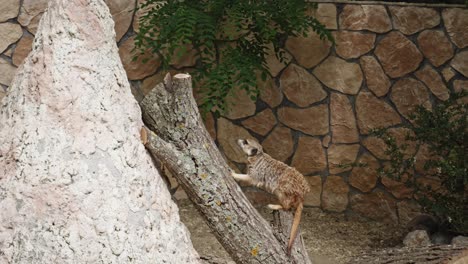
<point x="244" y="141"/>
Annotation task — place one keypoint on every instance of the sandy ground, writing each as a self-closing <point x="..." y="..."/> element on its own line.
<point x="329" y="238"/>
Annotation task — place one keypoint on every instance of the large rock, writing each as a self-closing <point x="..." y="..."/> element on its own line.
<point x="301" y="87"/>
<point x="31" y="10"/>
<point x="460" y="85"/>
<point x="435" y="46"/>
<point x="376" y="205"/>
<point x="261" y="123"/>
<point x="269" y="92"/>
<point x="9" y="34"/>
<point x="275" y="65"/>
<point x="150" y="82"/>
<point x="312" y="198"/>
<point x="340" y="75"/>
<point x="308" y="51"/>
<point x="377" y="81"/>
<point x="365" y="17"/>
<point x="350" y="45"/>
<point x="239" y="104"/>
<point x="70" y="142"/>
<point x="228" y="134"/>
<point x="367" y="105"/>
<point x="310" y="156"/>
<point x="2" y="94"/>
<point x="433" y="81"/>
<point x="122" y="14"/>
<point x="408" y="93"/>
<point x="398" y="187"/>
<point x="448" y="73"/>
<point x="279" y="144"/>
<point x="22" y="49"/>
<point x="312" y="120"/>
<point x="7" y="71"/>
<point x="412" y="19"/>
<point x="417" y="239"/>
<point x="460" y="63"/>
<point x="398" y="54"/>
<point x="378" y="147"/>
<point x="335" y="194"/>
<point x="146" y="64"/>
<point x="9" y="9"/>
<point x="342" y="120"/>
<point x="341" y="156"/>
<point x="210" y="125"/>
<point x="364" y="178"/>
<point x="326" y="14"/>
<point x="456" y="23"/>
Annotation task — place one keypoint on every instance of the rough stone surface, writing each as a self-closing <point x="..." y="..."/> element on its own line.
<point x="2" y="94"/>
<point x="326" y="14"/>
<point x="228" y="134"/>
<point x="9" y="9"/>
<point x="261" y="123"/>
<point x="31" y="9"/>
<point x="376" y="79"/>
<point x="398" y="54"/>
<point x="310" y="156"/>
<point x="32" y="27"/>
<point x="137" y="70"/>
<point x="301" y="87"/>
<point x="70" y="142"/>
<point x="340" y="75"/>
<point x="339" y="155"/>
<point x="365" y="178"/>
<point x="367" y="105"/>
<point x="423" y="155"/>
<point x="273" y="63"/>
<point x="22" y="49"/>
<point x="326" y="141"/>
<point x="460" y="85"/>
<point x="412" y="19"/>
<point x="269" y="92"/>
<point x="335" y="194"/>
<point x="407" y="94"/>
<point x="7" y="71"/>
<point x="210" y="125"/>
<point x="376" y="205"/>
<point x="435" y="46"/>
<point x="456" y="23"/>
<point x="448" y="73"/>
<point x="186" y="59"/>
<point x="313" y="197"/>
<point x="376" y="146"/>
<point x="417" y="238"/>
<point x="398" y="187"/>
<point x="433" y="81"/>
<point x="279" y="144"/>
<point x="308" y="51"/>
<point x="351" y="44"/>
<point x="407" y="211"/>
<point x="239" y="105"/>
<point x="460" y="63"/>
<point x="342" y="120"/>
<point x="312" y="120"/>
<point x="365" y="17"/>
<point x="122" y="14"/>
<point x="9" y="34"/>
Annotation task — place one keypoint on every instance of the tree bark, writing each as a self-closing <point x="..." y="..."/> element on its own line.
<point x="182" y="143"/>
<point x="443" y="254"/>
<point x="76" y="184"/>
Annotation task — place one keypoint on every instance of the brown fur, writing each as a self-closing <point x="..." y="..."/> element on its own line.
<point x="285" y="182"/>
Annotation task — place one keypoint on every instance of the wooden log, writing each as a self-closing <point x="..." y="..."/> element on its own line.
<point x="178" y="138"/>
<point x="437" y="254"/>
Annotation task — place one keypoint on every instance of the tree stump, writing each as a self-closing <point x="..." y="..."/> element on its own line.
<point x="179" y="139"/>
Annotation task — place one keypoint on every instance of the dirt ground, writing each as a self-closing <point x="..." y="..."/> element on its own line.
<point x="329" y="238"/>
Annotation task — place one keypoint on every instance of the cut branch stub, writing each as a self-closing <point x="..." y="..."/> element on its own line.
<point x="181" y="141"/>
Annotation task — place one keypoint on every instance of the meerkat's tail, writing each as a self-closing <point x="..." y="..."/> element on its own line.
<point x="295" y="227"/>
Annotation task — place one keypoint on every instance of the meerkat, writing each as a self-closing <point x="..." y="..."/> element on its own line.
<point x="277" y="178"/>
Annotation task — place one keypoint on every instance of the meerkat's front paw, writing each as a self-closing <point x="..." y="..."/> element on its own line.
<point x="144" y="135"/>
<point x="275" y="207"/>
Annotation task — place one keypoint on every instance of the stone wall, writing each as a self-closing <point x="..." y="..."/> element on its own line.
<point x="316" y="111"/>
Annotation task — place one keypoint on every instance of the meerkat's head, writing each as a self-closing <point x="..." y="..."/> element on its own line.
<point x="250" y="147"/>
